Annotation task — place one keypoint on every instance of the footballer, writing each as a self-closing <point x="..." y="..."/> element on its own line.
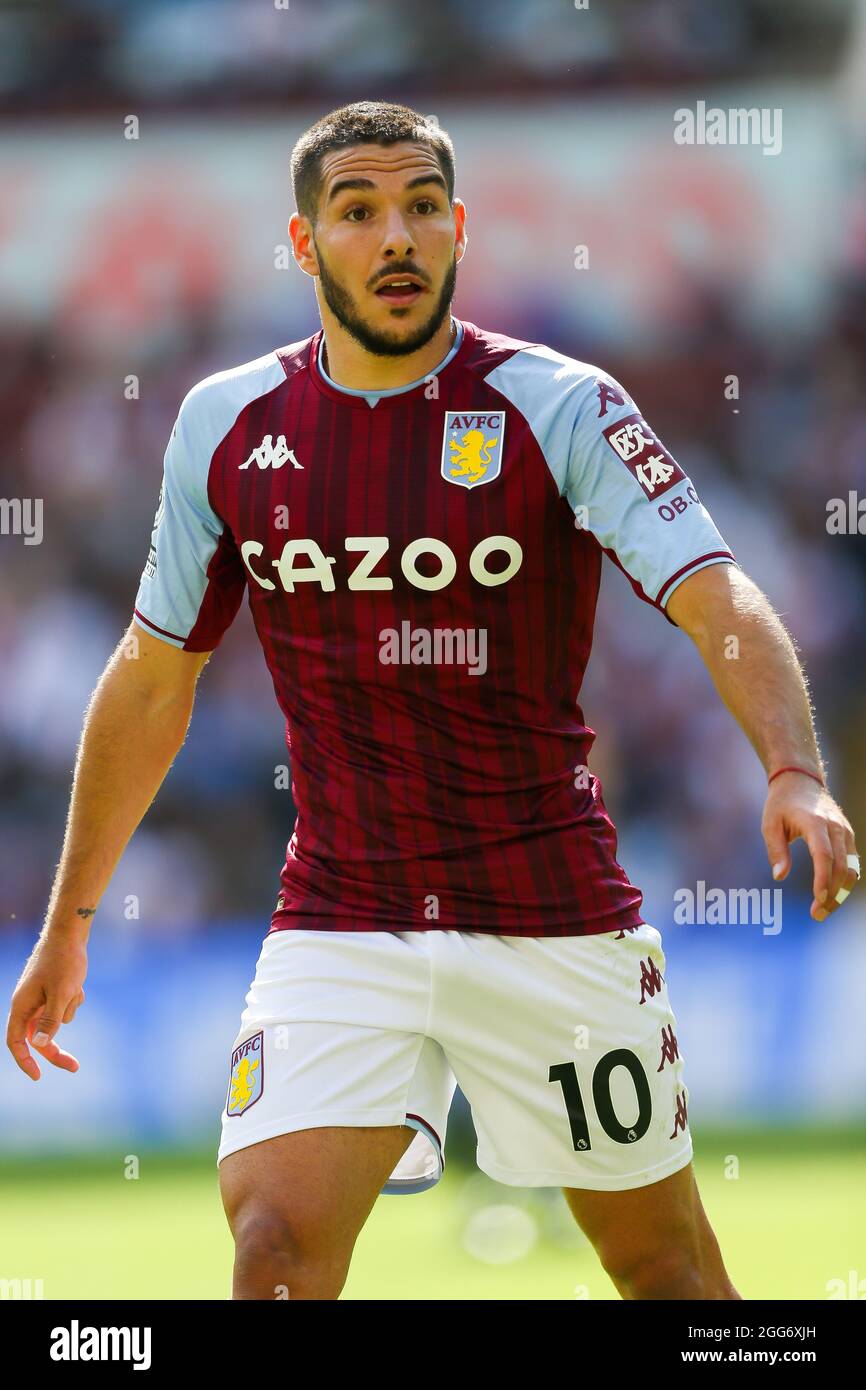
<point x="417" y="509"/>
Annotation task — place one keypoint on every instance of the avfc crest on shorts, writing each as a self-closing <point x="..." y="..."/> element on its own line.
<point x="247" y="1076"/>
<point x="472" y="447"/>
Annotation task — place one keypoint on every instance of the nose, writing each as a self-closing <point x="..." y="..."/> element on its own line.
<point x="397" y="240"/>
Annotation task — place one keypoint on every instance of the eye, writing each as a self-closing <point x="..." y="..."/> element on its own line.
<point x="426" y="201"/>
<point x="357" y="208"/>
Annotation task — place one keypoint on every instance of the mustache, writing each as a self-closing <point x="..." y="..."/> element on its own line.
<point x="401" y="270"/>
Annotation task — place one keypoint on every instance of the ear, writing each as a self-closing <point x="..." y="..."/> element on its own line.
<point x="460" y="235"/>
<point x="303" y="246"/>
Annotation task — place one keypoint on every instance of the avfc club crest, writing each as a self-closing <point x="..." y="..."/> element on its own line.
<point x="247" y="1076"/>
<point x="472" y="447"/>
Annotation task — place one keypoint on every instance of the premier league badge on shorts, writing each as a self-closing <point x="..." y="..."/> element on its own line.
<point x="472" y="447"/>
<point x="247" y="1076"/>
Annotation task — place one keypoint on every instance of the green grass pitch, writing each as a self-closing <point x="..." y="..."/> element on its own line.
<point x="792" y="1220"/>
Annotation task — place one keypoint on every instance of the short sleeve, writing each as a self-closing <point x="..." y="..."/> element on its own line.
<point x="628" y="491"/>
<point x="193" y="582"/>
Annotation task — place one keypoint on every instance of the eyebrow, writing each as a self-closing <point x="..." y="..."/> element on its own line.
<point x="342" y="184"/>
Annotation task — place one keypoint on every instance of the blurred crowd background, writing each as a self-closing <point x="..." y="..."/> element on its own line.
<point x="132" y="267"/>
<point x="94" y="53"/>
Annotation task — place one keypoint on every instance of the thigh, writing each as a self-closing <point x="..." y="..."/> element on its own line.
<point x="650" y="1235"/>
<point x="619" y="1224"/>
<point x="315" y="1186"/>
<point x="566" y="1050"/>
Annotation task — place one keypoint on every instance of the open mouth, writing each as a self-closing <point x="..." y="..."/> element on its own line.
<point x="400" y="290"/>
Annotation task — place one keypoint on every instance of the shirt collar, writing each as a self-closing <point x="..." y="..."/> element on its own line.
<point x="371" y="397"/>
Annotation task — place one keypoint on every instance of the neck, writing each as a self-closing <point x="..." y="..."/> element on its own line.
<point x="349" y="364"/>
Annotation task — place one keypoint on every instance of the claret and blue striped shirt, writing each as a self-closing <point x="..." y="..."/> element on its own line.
<point x="422" y="566"/>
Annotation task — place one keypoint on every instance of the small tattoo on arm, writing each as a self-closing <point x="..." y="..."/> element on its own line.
<point x="85" y="911"/>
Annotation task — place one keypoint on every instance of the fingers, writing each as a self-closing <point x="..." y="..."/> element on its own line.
<point x="33" y="1021"/>
<point x="44" y="1026"/>
<point x="44" y="1029"/>
<point x="839" y="870"/>
<point x="817" y="837"/>
<point x="58" y="1008"/>
<point x="829" y="839"/>
<point x="73" y="1006"/>
<point x="833" y="842"/>
<point x="16" y="1031"/>
<point x="777" y="847"/>
<point x="51" y="1051"/>
<point x="852" y="875"/>
<point x="844" y="875"/>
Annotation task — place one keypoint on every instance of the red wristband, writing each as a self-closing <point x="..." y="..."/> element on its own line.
<point x="805" y="772"/>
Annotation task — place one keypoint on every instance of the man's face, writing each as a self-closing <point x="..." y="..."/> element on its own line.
<point x="396" y="225"/>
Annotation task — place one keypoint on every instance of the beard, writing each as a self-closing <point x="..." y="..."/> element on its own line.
<point x="382" y="342"/>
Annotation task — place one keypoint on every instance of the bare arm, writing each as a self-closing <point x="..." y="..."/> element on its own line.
<point x="752" y="661"/>
<point x="134" y="726"/>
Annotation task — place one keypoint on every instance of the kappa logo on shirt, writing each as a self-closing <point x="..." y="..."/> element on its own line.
<point x="472" y="447"/>
<point x="150" y="567"/>
<point x="644" y="456"/>
<point x="160" y="505"/>
<point x="271" y="455"/>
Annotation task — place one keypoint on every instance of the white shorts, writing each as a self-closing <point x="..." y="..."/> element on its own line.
<point x="565" y="1048"/>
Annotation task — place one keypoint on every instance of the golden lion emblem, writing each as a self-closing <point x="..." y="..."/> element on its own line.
<point x="471" y="457"/>
<point x="243" y="1084"/>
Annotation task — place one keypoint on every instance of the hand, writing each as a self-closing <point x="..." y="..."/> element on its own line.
<point x="798" y="806"/>
<point x="48" y="994"/>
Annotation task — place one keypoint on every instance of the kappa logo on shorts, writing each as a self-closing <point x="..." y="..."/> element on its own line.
<point x="681" y="1115"/>
<point x="651" y="979"/>
<point x="247" y="1075"/>
<point x="670" y="1047"/>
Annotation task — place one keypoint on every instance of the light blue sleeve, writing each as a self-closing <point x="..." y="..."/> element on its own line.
<point x="192" y="583"/>
<point x="625" y="487"/>
<point x="620" y="481"/>
<point x="194" y="579"/>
